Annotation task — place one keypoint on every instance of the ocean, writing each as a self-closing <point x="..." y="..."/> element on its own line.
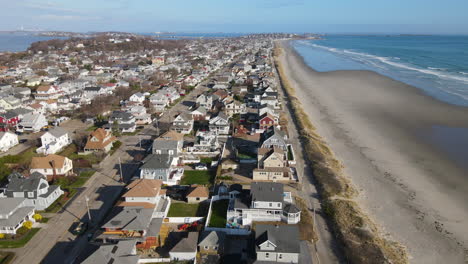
<point x="19" y="41"/>
<point x="436" y="64"/>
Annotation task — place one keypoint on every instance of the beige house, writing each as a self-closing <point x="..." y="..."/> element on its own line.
<point x="52" y="166"/>
<point x="99" y="140"/>
<point x="197" y="194"/>
<point x="272" y="165"/>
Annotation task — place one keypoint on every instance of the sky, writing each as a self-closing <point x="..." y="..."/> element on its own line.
<point x="245" y="16"/>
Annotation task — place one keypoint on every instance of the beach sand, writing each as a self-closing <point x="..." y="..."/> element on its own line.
<point x="377" y="127"/>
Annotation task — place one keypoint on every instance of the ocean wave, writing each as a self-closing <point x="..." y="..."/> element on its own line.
<point x="438" y="72"/>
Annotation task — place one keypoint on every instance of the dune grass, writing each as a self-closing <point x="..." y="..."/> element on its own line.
<point x="357" y="234"/>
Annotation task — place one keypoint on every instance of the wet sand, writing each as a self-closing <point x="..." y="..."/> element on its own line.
<point x="397" y="148"/>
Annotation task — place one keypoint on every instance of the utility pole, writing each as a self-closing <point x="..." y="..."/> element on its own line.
<point x="87" y="207"/>
<point x="121" y="172"/>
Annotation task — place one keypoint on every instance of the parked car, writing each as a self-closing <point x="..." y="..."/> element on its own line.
<point x="24" y="140"/>
<point x="80" y="228"/>
<point x="201" y="166"/>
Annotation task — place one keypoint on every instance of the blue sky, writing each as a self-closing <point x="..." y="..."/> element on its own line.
<point x="325" y="16"/>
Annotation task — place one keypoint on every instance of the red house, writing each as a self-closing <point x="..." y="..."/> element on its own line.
<point x="8" y="119"/>
<point x="266" y="121"/>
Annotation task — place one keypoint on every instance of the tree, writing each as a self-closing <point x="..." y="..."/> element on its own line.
<point x="28" y="225"/>
<point x="37" y="217"/>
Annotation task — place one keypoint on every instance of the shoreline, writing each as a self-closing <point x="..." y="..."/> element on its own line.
<point x="405" y="184"/>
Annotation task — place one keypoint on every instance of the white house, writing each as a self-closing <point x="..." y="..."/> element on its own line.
<point x="32" y="122"/>
<point x="7" y="141"/>
<point x="52" y="166"/>
<point x="186" y="248"/>
<point x="267" y="203"/>
<point x="138" y="97"/>
<point x="220" y="124"/>
<point x="53" y="141"/>
<point x="183" y="123"/>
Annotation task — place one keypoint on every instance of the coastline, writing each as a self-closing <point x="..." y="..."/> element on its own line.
<point x="372" y="123"/>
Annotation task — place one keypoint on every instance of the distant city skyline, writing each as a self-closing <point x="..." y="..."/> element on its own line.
<point x="242" y="16"/>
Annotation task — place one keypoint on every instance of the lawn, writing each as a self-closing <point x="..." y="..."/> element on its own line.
<point x="218" y="213"/>
<point x="115" y="146"/>
<point x="23" y="158"/>
<point x="187" y="210"/>
<point x="206" y="160"/>
<point x="16" y="243"/>
<point x="202" y="177"/>
<point x="68" y="150"/>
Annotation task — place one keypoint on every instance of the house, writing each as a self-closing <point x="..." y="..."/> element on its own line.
<point x="159" y="100"/>
<point x="137" y="97"/>
<point x="53" y="141"/>
<point x="197" y="194"/>
<point x="124" y="122"/>
<point x="147" y="193"/>
<point x="32" y="123"/>
<point x="199" y="114"/>
<point x="273" y="137"/>
<point x="234" y="107"/>
<point x="46" y="92"/>
<point x="205" y="141"/>
<point x="10" y="119"/>
<point x="205" y="101"/>
<point x="266" y="121"/>
<point x="13" y="214"/>
<point x="52" y="166"/>
<point x="132" y="221"/>
<point x="123" y="252"/>
<point x="277" y="243"/>
<point x="272" y="165"/>
<point x="143" y="191"/>
<point x="7" y="141"/>
<point x="185" y="248"/>
<point x="170" y="143"/>
<point x="161" y="167"/>
<point x="99" y="140"/>
<point x="220" y="124"/>
<point x="212" y="242"/>
<point x="183" y="123"/>
<point x="91" y="92"/>
<point x="35" y="188"/>
<point x="266" y="202"/>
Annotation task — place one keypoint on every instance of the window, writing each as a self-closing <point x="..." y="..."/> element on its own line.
<point x="30" y="194"/>
<point x="280" y="256"/>
<point x="271" y="205"/>
<point x="267" y="255"/>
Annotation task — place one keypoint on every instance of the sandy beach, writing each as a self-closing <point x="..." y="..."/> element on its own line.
<point x="382" y="132"/>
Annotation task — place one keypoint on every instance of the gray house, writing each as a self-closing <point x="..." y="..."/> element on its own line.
<point x="37" y="191"/>
<point x="274" y="137"/>
<point x="124" y="252"/>
<point x="161" y="167"/>
<point x="13" y="213"/>
<point x="277" y="244"/>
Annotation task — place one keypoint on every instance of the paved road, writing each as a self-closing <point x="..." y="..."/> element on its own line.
<point x="325" y="250"/>
<point x="54" y="243"/>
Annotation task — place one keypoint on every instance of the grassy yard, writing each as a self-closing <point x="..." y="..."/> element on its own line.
<point x="68" y="150"/>
<point x="115" y="146"/>
<point x="187" y="210"/>
<point x="218" y="213"/>
<point x="202" y="177"/>
<point x="20" y="242"/>
<point x="24" y="158"/>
